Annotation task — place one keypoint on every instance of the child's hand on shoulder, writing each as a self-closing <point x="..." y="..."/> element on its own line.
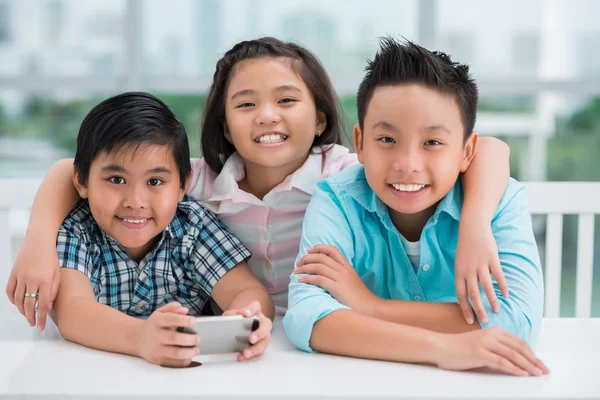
<point x="159" y="342"/>
<point x="476" y="261"/>
<point x="261" y="337"/>
<point x="326" y="267"/>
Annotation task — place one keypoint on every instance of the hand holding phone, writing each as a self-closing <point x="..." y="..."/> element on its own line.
<point x="223" y="334"/>
<point x="260" y="338"/>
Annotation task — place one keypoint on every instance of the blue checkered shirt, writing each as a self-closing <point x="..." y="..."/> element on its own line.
<point x="192" y="254"/>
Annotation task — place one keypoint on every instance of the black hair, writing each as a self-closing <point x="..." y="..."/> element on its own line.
<point x="216" y="149"/>
<point x="403" y="62"/>
<point x="130" y="119"/>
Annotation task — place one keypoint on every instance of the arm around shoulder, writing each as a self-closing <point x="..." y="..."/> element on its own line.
<point x="521" y="313"/>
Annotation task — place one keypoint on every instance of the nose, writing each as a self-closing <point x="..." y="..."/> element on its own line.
<point x="408" y="161"/>
<point x="268" y="115"/>
<point x="136" y="197"/>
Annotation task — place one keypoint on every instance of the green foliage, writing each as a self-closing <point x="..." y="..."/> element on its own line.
<point x="586" y="121"/>
<point x="2" y="121"/>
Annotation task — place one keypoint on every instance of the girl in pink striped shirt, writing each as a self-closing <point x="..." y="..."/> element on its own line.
<point x="271" y="130"/>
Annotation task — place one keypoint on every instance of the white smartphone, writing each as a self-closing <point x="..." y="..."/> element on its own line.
<point x="223" y="334"/>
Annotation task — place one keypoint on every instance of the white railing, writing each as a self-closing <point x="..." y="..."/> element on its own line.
<point x="553" y="199"/>
<point x="556" y="199"/>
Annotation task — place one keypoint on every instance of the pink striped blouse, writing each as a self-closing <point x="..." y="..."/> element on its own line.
<point x="271" y="227"/>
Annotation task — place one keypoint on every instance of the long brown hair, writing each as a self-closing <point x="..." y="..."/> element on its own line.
<point x="216" y="149"/>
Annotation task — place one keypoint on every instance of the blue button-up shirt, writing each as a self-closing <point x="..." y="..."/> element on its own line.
<point x="346" y="213"/>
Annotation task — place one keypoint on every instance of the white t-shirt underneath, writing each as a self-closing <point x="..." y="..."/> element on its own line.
<point x="413" y="250"/>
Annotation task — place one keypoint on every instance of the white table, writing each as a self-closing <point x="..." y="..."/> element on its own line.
<point x="52" y="367"/>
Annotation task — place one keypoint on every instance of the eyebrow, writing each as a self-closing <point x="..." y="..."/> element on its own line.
<point x="242" y="93"/>
<point x="281" y="88"/>
<point x="117" y="168"/>
<point x="386" y="126"/>
<point x="392" y="128"/>
<point x="435" y="128"/>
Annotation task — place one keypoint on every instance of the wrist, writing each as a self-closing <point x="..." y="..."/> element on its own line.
<point x="375" y="306"/>
<point x="39" y="238"/>
<point x="134" y="338"/>
<point x="435" y="347"/>
<point x="476" y="214"/>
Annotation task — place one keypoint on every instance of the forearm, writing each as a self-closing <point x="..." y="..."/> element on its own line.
<point x="254" y="293"/>
<point x="485" y="180"/>
<point x="54" y="200"/>
<point x="83" y="320"/>
<point x="349" y="333"/>
<point x="439" y="317"/>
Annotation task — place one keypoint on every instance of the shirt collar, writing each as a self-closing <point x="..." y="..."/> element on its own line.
<point x="362" y="193"/>
<point x="305" y="178"/>
<point x="188" y="216"/>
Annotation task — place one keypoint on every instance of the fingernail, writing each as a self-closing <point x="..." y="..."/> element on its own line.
<point x="248" y="354"/>
<point x="484" y="320"/>
<point x="192" y="321"/>
<point x="252" y="339"/>
<point x="470" y="320"/>
<point x="524" y="373"/>
<point x="40" y="328"/>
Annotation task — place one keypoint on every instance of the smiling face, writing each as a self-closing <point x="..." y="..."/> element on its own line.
<point x="133" y="195"/>
<point x="413" y="147"/>
<point x="271" y="117"/>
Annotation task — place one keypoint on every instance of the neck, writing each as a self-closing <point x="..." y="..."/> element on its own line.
<point x="411" y="225"/>
<point x="138" y="253"/>
<point x="260" y="180"/>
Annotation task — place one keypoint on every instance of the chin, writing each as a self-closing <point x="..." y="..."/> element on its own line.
<point x="405" y="207"/>
<point x="129" y="242"/>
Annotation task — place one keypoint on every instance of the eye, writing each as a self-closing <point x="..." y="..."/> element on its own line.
<point x="155" y="182"/>
<point x="245" y="105"/>
<point x="387" y="140"/>
<point x="117" y="180"/>
<point x="287" y="100"/>
<point x="432" y="142"/>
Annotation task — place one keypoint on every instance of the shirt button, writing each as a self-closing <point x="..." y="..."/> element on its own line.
<point x="417" y="298"/>
<point x="426" y="267"/>
<point x="140" y="304"/>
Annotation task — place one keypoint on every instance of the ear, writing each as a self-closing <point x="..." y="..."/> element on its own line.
<point x="81" y="189"/>
<point x="358" y="143"/>
<point x="183" y="191"/>
<point x="226" y="133"/>
<point x="469" y="151"/>
<point x="321" y="122"/>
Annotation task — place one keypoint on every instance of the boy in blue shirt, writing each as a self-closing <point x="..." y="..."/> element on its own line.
<point x="375" y="272"/>
<point x="136" y="247"/>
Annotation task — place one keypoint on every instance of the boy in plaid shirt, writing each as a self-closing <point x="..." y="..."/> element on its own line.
<point x="136" y="247"/>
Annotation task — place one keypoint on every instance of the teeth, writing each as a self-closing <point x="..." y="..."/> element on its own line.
<point x="268" y="139"/>
<point x="407" y="188"/>
<point x="135" y="221"/>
